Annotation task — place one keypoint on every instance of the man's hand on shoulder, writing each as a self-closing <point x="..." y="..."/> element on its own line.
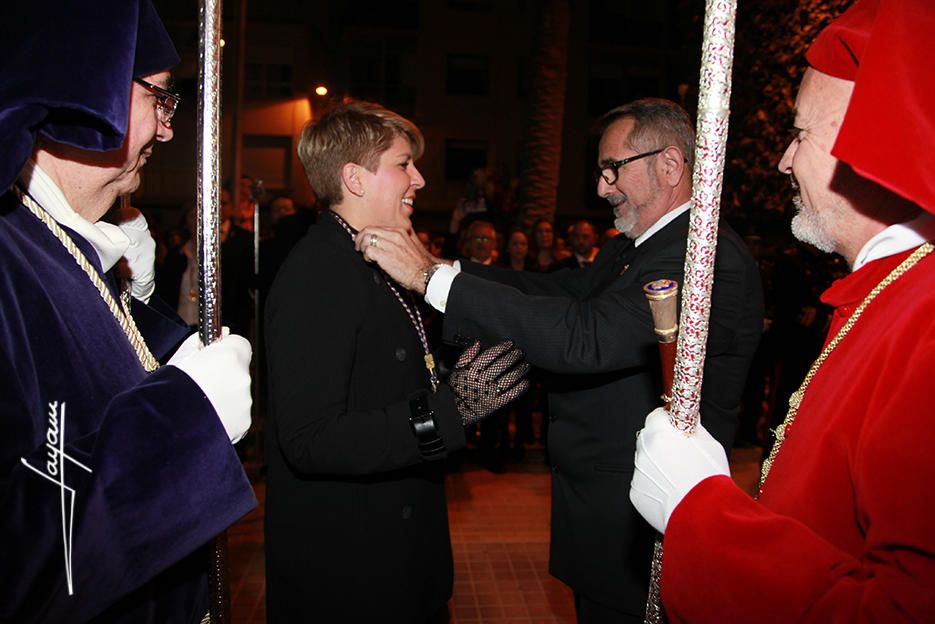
<point x="398" y="252"/>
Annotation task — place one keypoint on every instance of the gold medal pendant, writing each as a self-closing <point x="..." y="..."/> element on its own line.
<point x="430" y="367"/>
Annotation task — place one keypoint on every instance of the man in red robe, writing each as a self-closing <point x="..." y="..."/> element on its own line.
<point x="844" y="528"/>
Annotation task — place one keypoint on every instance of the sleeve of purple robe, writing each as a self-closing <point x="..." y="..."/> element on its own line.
<point x="84" y="525"/>
<point x="109" y="477"/>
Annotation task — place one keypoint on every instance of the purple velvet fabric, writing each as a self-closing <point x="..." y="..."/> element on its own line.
<point x="66" y="68"/>
<point x="163" y="478"/>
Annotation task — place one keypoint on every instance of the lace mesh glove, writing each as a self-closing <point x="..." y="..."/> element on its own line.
<point x="485" y="381"/>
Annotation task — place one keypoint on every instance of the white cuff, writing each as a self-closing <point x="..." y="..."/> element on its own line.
<point x="436" y="293"/>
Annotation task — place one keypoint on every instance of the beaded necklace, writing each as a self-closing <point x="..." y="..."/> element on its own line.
<point x="411" y="310"/>
<point x="795" y="400"/>
<point x="121" y="314"/>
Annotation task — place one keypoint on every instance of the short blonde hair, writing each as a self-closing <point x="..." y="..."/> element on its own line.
<point x="357" y="132"/>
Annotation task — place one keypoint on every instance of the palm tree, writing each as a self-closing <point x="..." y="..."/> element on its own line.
<point x="772" y="38"/>
<point x="542" y="145"/>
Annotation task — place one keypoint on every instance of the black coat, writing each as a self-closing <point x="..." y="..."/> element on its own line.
<point x="592" y="328"/>
<point x="570" y="262"/>
<point x="237" y="280"/>
<point x="356" y="522"/>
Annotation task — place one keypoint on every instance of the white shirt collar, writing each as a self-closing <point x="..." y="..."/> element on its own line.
<point x="896" y="239"/>
<point x="663" y="221"/>
<point x="108" y="240"/>
<point x="589" y="258"/>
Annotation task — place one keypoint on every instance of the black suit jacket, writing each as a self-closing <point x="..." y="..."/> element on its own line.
<point x="570" y="262"/>
<point x="593" y="328"/>
<point x="356" y="521"/>
<point x="237" y="280"/>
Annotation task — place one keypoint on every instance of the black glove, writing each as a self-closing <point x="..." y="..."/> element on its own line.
<point x="485" y="381"/>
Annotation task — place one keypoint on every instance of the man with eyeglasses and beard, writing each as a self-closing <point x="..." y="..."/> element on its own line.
<point x="114" y="471"/>
<point x="592" y="329"/>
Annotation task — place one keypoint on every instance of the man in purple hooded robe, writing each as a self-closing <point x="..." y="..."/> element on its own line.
<point x="114" y="471"/>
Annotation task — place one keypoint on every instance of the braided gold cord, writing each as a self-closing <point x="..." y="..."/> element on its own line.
<point x="121" y="314"/>
<point x="795" y="400"/>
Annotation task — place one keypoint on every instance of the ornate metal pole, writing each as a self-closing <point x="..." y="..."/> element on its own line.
<point x="208" y="178"/>
<point x="717" y="58"/>
<point x="209" y="276"/>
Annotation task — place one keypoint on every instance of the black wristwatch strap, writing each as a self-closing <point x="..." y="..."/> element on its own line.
<point x="422" y="421"/>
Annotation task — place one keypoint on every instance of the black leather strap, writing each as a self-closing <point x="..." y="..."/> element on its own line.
<point x="422" y="421"/>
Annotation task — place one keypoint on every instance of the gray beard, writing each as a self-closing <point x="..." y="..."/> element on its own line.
<point x="626" y="222"/>
<point x="809" y="227"/>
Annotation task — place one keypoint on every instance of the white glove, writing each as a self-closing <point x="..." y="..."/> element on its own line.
<point x="141" y="257"/>
<point x="222" y="371"/>
<point x="669" y="464"/>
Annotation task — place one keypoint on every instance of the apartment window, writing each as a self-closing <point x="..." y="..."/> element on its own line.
<point x="262" y="80"/>
<point x="462" y="157"/>
<point x="634" y="24"/>
<point x="385" y="72"/>
<point x="398" y="15"/>
<point x="523" y="77"/>
<point x="468" y="74"/>
<point x="470" y="5"/>
<point x="269" y="158"/>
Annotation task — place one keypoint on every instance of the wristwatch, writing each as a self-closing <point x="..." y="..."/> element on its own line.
<point x="422" y="422"/>
<point x="428" y="273"/>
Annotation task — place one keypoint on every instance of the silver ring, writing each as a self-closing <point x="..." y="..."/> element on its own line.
<point x="373" y="240"/>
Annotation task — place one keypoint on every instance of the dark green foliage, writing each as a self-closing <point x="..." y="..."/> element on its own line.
<point x="772" y="38"/>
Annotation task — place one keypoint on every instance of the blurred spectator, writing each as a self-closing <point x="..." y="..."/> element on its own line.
<point x="186" y="295"/>
<point x="243" y="216"/>
<point x="280" y="207"/>
<point x="236" y="270"/>
<point x="480" y="242"/>
<point x="476" y="193"/>
<point x="544" y="250"/>
<point x="288" y="225"/>
<point x="584" y="248"/>
<point x="517" y="258"/>
<point x="517" y="252"/>
<point x="425" y="238"/>
<point x="437" y="244"/>
<point x="479" y="246"/>
<point x="172" y="265"/>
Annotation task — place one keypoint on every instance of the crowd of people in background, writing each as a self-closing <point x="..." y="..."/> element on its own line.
<point x="484" y="227"/>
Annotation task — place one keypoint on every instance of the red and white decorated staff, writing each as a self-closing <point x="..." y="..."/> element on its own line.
<point x="843" y="528"/>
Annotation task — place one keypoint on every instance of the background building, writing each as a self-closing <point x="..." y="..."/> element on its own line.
<point x="465" y="71"/>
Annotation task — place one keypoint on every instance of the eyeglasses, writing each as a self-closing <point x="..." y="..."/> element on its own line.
<point x="481" y="239"/>
<point x="609" y="170"/>
<point x="166" y="101"/>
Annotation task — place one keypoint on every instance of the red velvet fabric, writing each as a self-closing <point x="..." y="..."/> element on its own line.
<point x="886" y="48"/>
<point x="845" y="528"/>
